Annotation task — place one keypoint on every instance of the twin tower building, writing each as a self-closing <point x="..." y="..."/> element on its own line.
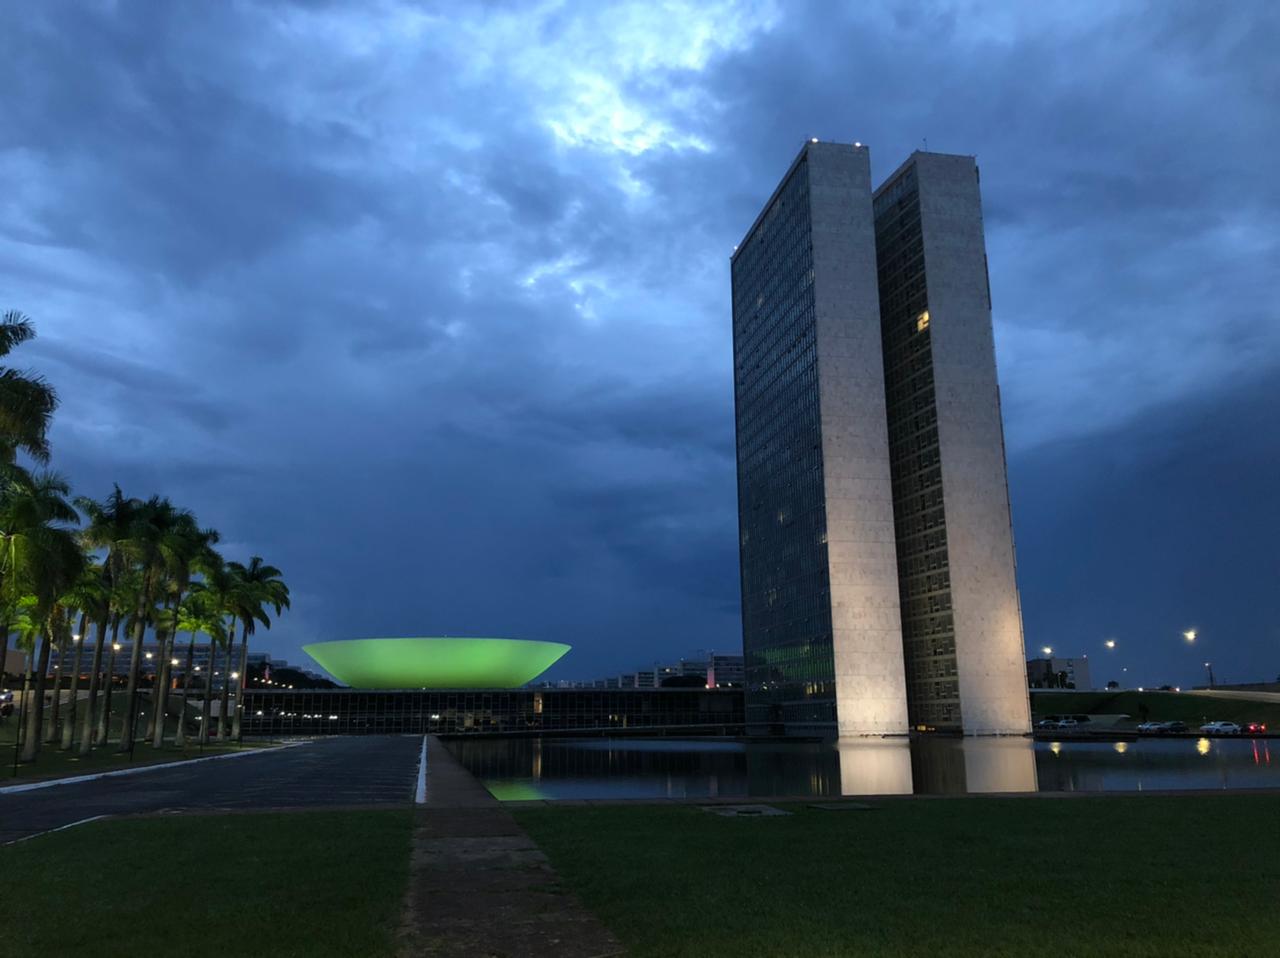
<point x="877" y="559"/>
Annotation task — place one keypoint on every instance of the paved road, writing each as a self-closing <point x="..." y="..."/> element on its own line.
<point x="364" y="770"/>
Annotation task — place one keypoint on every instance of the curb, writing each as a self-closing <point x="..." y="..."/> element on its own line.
<point x="137" y="770"/>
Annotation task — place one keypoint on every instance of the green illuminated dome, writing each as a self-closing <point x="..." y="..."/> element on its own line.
<point x="435" y="663"/>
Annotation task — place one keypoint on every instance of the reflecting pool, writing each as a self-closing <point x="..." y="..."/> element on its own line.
<point x="579" y="768"/>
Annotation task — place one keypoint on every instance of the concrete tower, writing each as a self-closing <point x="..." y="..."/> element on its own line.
<point x="822" y="636"/>
<point x="876" y="548"/>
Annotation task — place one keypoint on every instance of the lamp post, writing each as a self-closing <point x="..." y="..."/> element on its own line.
<point x="1209" y="668"/>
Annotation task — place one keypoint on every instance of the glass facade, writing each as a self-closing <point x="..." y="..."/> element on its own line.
<point x="928" y="629"/>
<point x="786" y="607"/>
<point x="492" y="711"/>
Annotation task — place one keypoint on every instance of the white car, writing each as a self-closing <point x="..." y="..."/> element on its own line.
<point x="1220" y="728"/>
<point x="1149" y="726"/>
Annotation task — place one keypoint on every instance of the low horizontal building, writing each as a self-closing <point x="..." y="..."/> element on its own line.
<point x="491" y="711"/>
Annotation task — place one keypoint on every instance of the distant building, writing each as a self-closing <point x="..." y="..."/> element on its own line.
<point x="725" y="672"/>
<point x="1058" y="673"/>
<point x="148" y="664"/>
<point x="712" y="671"/>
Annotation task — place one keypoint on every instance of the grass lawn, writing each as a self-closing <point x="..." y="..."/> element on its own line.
<point x="1191" y="707"/>
<point x="1065" y="877"/>
<point x="302" y="884"/>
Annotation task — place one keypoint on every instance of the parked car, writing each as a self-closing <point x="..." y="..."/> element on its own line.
<point x="1220" y="728"/>
<point x="1253" y="728"/>
<point x="1047" y="724"/>
<point x="1150" y="726"/>
<point x="1068" y="723"/>
<point x="1173" y="728"/>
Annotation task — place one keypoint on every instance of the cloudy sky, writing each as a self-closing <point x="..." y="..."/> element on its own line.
<point x="428" y="304"/>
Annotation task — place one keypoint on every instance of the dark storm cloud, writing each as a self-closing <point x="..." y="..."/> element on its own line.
<point x="430" y="307"/>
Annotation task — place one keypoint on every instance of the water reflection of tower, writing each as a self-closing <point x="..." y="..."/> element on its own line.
<point x="953" y="766"/>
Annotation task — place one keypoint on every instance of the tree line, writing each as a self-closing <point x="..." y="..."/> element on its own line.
<point x="76" y="567"/>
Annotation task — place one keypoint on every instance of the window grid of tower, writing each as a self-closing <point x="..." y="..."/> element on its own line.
<point x="782" y="520"/>
<point x="933" y="692"/>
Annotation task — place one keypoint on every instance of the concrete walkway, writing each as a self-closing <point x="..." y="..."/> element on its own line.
<point x="479" y="887"/>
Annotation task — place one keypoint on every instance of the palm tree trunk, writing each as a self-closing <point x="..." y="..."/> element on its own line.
<point x="4" y="648"/>
<point x="180" y="736"/>
<point x="25" y="705"/>
<point x="226" y="694"/>
<point x="51" y="731"/>
<point x="206" y="710"/>
<point x="162" y="687"/>
<point x="135" y="662"/>
<point x="104" y="727"/>
<point x="77" y="647"/>
<point x="35" y="710"/>
<point x="244" y="677"/>
<point x="91" y="706"/>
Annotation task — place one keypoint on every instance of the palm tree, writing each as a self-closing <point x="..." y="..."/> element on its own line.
<point x="219" y="587"/>
<point x="39" y="562"/>
<point x="26" y="402"/>
<point x="53" y="572"/>
<point x="260" y="585"/>
<point x="123" y="597"/>
<point x="150" y="545"/>
<point x="196" y="615"/>
<point x="192" y="554"/>
<point x="32" y="506"/>
<point x="90" y="597"/>
<point x="107" y="526"/>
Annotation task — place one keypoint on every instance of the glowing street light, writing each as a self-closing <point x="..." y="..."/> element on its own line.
<point x="235" y="675"/>
<point x="149" y="656"/>
<point x="173" y="661"/>
<point x="1189" y="635"/>
<point x="1110" y="643"/>
<point x="115" y="646"/>
<point x="1047" y="650"/>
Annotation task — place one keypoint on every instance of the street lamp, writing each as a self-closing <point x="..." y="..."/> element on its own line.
<point x="1209" y="668"/>
<point x="1189" y="635"/>
<point x="1047" y="651"/>
<point x="173" y="661"/>
<point x="1110" y="643"/>
<point x="115" y="646"/>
